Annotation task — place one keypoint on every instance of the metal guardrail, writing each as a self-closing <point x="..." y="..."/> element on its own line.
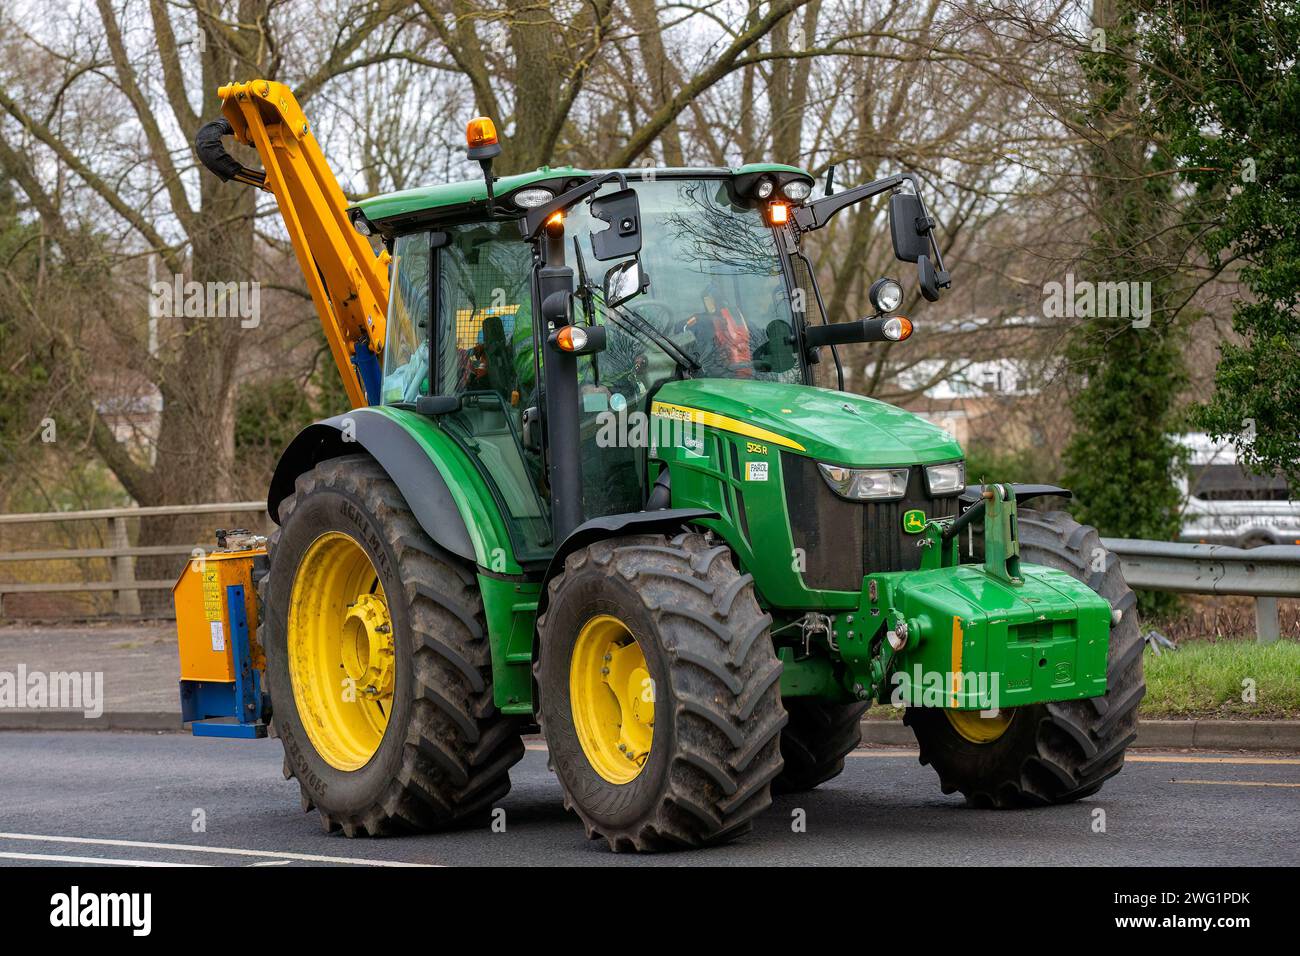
<point x="1265" y="574"/>
<point x="126" y="589"/>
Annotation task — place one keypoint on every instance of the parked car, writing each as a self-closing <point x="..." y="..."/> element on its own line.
<point x="1225" y="504"/>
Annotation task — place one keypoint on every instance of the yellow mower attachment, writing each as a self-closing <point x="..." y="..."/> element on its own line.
<point x="216" y="627"/>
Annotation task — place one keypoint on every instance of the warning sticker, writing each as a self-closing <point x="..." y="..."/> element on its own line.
<point x="757" y="471"/>
<point x="218" y="636"/>
<point x="211" y="594"/>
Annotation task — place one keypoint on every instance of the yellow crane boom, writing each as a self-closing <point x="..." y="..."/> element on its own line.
<point x="348" y="281"/>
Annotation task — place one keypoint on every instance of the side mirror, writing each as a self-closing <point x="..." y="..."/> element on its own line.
<point x="625" y="281"/>
<point x="908" y="227"/>
<point x="911" y="229"/>
<point x="927" y="278"/>
<point x="622" y="211"/>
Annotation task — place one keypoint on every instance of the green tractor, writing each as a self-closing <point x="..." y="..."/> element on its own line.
<point x="592" y="489"/>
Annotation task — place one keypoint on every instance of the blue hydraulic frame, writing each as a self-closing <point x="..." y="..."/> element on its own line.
<point x="211" y="705"/>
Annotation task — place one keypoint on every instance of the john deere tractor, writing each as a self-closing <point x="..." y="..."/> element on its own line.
<point x="587" y="485"/>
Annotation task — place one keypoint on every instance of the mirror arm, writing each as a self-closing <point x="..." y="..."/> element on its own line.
<point x="535" y="219"/>
<point x="817" y="213"/>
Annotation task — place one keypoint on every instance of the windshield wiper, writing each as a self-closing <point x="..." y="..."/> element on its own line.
<point x="654" y="335"/>
<point x="631" y="322"/>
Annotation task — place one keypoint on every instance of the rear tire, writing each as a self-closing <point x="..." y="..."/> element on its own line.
<point x="717" y="711"/>
<point x="446" y="751"/>
<point x="1060" y="751"/>
<point x="816" y="740"/>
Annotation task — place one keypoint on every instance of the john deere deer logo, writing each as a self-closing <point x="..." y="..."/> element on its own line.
<point x="914" y="521"/>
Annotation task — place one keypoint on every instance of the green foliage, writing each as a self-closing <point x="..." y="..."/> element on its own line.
<point x="1120" y="461"/>
<point x="270" y="413"/>
<point x="987" y="462"/>
<point x="1204" y="679"/>
<point x="1224" y="89"/>
<point x="22" y="371"/>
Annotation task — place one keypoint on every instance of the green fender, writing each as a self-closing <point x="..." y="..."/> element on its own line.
<point x="447" y="495"/>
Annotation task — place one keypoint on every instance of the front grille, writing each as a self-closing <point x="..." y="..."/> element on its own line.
<point x="842" y="541"/>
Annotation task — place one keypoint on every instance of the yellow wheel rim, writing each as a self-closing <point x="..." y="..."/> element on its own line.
<point x="340" y="644"/>
<point x="613" y="699"/>
<point x="978" y="729"/>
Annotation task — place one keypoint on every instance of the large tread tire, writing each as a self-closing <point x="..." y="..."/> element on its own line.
<point x="718" y="713"/>
<point x="447" y="751"/>
<point x="816" y="740"/>
<point x="1060" y="751"/>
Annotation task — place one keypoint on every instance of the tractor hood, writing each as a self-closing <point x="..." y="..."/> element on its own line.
<point x="835" y="427"/>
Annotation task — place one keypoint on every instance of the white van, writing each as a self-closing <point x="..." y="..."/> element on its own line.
<point x="1222" y="504"/>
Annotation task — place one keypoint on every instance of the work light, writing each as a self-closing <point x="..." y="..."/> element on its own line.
<point x="797" y="189"/>
<point x="532" y="198"/>
<point x="885" y="294"/>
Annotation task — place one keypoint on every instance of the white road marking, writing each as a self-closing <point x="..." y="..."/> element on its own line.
<point x="221" y="850"/>
<point x="106" y="860"/>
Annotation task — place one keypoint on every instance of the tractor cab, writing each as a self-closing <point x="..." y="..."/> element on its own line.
<point x="560" y="301"/>
<point x="710" y="294"/>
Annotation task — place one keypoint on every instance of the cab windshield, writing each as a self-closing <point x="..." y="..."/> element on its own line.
<point x="717" y="290"/>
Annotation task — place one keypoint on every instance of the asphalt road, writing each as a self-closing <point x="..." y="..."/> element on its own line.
<point x="121" y="798"/>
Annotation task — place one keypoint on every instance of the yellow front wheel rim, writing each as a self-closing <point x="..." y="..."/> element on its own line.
<point x="972" y="726"/>
<point x="613" y="699"/>
<point x="341" y="652"/>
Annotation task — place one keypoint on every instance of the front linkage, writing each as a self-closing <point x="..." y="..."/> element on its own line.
<point x="985" y="636"/>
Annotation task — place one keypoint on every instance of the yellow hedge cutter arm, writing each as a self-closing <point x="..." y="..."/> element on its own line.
<point x="348" y="282"/>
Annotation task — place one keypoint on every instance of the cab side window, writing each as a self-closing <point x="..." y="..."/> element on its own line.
<point x="485" y="313"/>
<point x="406" y="351"/>
<point x="485" y="356"/>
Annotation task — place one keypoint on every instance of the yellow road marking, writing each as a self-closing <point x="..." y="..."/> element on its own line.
<point x="1237" y="783"/>
<point x="1133" y="758"/>
<point x="1161" y="758"/>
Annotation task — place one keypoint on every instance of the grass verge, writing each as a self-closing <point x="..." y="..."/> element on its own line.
<point x="1209" y="679"/>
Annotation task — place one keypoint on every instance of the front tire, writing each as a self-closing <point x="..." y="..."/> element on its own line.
<point x="1055" y="752"/>
<point x="816" y="740"/>
<point x="360" y="603"/>
<point x="660" y="692"/>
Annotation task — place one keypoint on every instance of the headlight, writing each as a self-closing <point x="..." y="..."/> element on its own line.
<point x="885" y="294"/>
<point x="797" y="189"/>
<point x="946" y="479"/>
<point x="532" y="198"/>
<point x="764" y="189"/>
<point x="857" y="484"/>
